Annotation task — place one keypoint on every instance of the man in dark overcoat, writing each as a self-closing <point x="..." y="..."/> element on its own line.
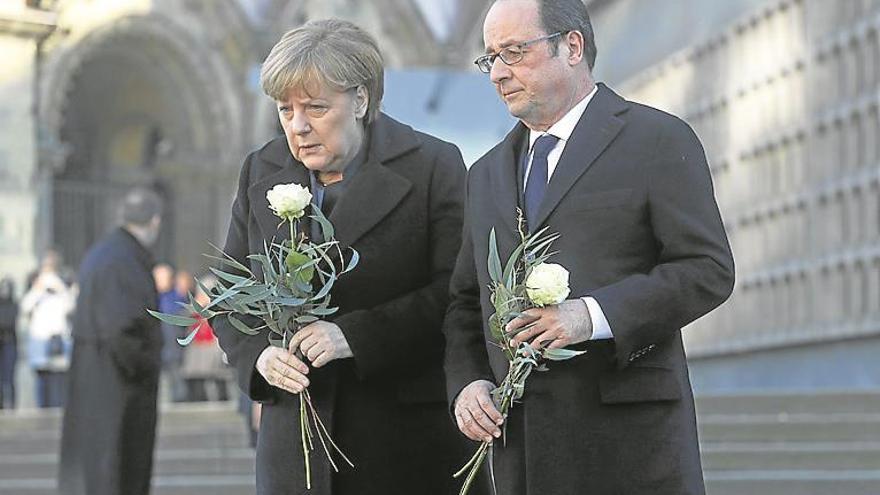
<point x="628" y="189"/>
<point x="109" y="422"/>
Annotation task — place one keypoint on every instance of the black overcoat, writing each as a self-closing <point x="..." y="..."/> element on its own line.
<point x="633" y="200"/>
<point x="402" y="213"/>
<point x="109" y="422"/>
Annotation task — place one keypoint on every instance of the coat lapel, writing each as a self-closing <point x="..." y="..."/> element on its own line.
<point x="503" y="172"/>
<point x="290" y="171"/>
<point x="376" y="190"/>
<point x="374" y="193"/>
<point x="596" y="129"/>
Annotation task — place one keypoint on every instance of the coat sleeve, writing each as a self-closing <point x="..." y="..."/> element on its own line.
<point x="465" y="359"/>
<point x="131" y="334"/>
<point x="694" y="272"/>
<point x="404" y="332"/>
<point x="242" y="350"/>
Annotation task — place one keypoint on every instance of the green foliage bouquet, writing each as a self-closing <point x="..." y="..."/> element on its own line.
<point x="525" y="281"/>
<point x="292" y="291"/>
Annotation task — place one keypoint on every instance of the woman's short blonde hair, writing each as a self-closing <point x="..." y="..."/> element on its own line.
<point x="333" y="52"/>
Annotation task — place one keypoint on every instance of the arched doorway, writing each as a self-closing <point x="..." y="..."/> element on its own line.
<point x="141" y="107"/>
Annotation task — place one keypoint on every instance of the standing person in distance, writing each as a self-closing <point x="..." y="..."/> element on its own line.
<point x="8" y="343"/>
<point x="109" y="425"/>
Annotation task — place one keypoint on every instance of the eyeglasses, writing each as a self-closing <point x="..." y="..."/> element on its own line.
<point x="510" y="55"/>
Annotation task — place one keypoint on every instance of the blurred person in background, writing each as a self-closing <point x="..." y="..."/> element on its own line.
<point x="8" y="343"/>
<point x="203" y="366"/>
<point x="172" y="352"/>
<point x="109" y="426"/>
<point x="250" y="411"/>
<point x="46" y="308"/>
<point x="395" y="195"/>
<point x="183" y="284"/>
<point x="50" y="262"/>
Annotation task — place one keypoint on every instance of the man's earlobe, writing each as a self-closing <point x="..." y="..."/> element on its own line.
<point x="575" y="46"/>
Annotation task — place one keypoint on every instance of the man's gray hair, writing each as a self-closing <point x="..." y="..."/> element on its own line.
<point x="565" y="16"/>
<point x="333" y="52"/>
<point x="139" y="207"/>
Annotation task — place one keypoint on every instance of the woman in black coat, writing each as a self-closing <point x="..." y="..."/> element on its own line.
<point x="374" y="368"/>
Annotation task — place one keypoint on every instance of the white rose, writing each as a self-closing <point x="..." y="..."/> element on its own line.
<point x="547" y="284"/>
<point x="288" y="201"/>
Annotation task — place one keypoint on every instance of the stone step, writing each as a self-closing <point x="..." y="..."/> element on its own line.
<point x="790" y="427"/>
<point x="167" y="462"/>
<point x="201" y="448"/>
<point x="791" y="456"/>
<point x="793" y="482"/>
<point x="231" y="436"/>
<point x="232" y="484"/>
<point x="813" y="402"/>
<point x="197" y="414"/>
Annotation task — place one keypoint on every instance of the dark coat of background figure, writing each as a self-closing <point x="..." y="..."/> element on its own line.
<point x="110" y="419"/>
<point x="387" y="406"/>
<point x="640" y="232"/>
<point x="8" y="344"/>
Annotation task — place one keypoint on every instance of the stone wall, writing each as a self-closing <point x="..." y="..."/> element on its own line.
<point x="785" y="101"/>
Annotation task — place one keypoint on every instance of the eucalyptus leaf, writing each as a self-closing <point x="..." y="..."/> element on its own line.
<point x="561" y="354"/>
<point x="507" y="277"/>
<point x="353" y="262"/>
<point x="249" y="299"/>
<point x="266" y="264"/>
<point x="276" y="340"/>
<point x="321" y="254"/>
<point x="232" y="279"/>
<point x="494" y="261"/>
<point x="272" y="324"/>
<point x="230" y="292"/>
<point x="172" y="319"/>
<point x="240" y="326"/>
<point x="255" y="288"/>
<point x="195" y="307"/>
<point x="534" y="237"/>
<point x="287" y="301"/>
<point x="327" y="230"/>
<point x="205" y="289"/>
<point x="299" y="285"/>
<point x="245" y="309"/>
<point x="323" y="311"/>
<point x="324" y="290"/>
<point x="542" y="246"/>
<point x="229" y="260"/>
<point x="189" y="338"/>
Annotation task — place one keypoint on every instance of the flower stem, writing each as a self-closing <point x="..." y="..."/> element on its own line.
<point x="473" y="459"/>
<point x="475" y="464"/>
<point x="303" y="424"/>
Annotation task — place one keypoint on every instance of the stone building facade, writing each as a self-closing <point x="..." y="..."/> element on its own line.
<point x="22" y="32"/>
<point x="163" y="93"/>
<point x="785" y="99"/>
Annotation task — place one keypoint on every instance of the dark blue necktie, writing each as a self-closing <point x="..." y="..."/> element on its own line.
<point x="537" y="181"/>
